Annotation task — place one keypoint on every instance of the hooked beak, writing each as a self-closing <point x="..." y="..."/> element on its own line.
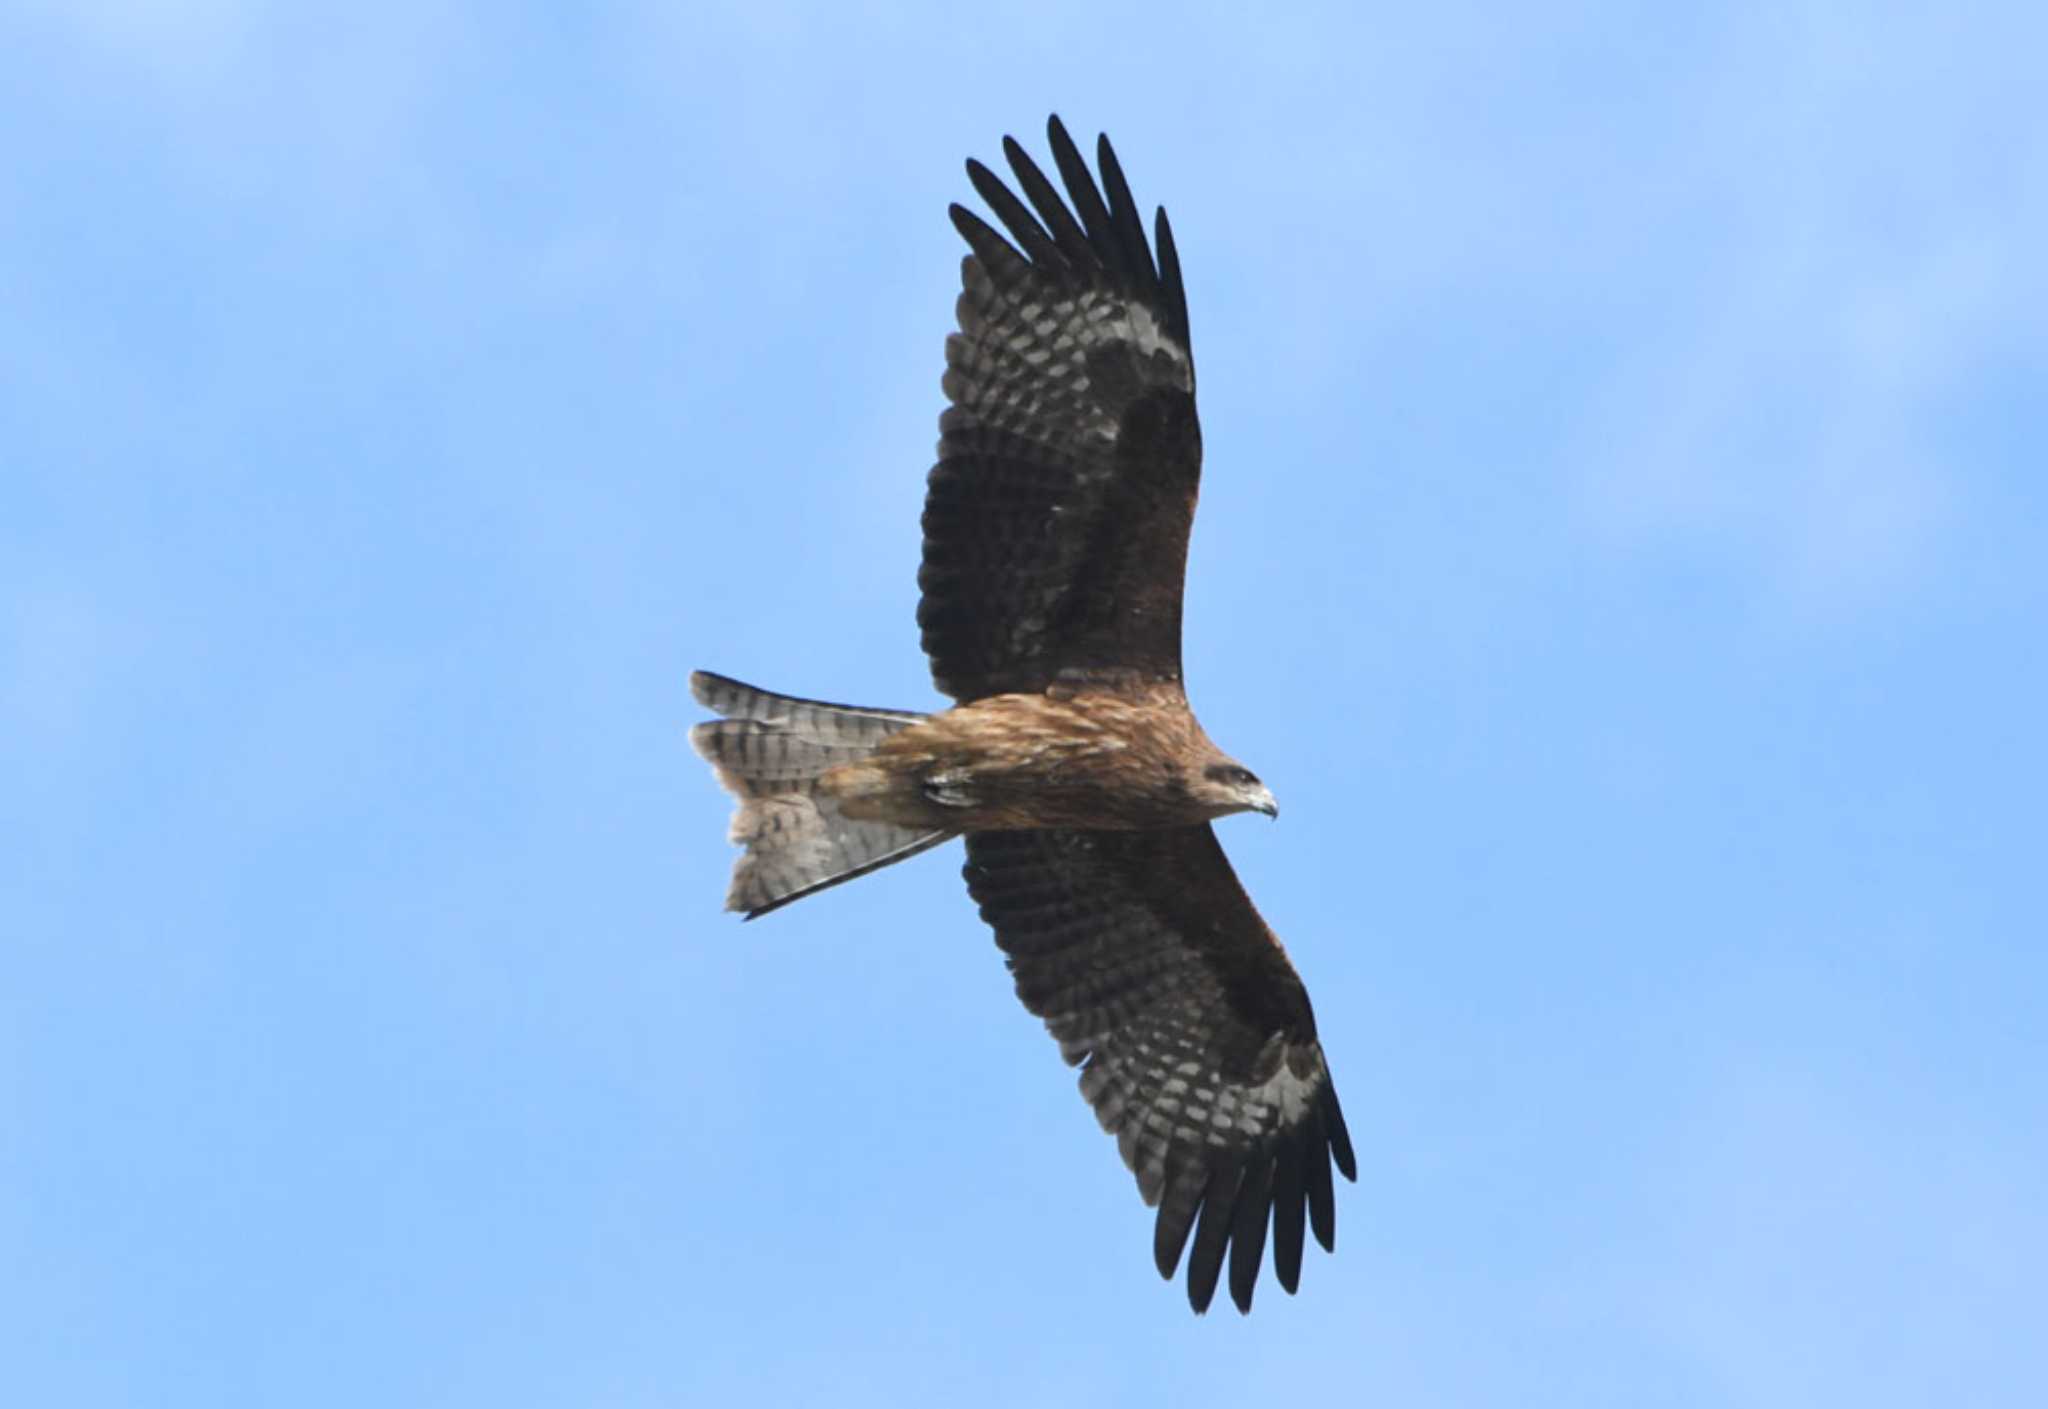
<point x="1264" y="802"/>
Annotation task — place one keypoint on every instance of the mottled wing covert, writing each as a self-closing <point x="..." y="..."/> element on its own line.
<point x="1056" y="520"/>
<point x="1148" y="963"/>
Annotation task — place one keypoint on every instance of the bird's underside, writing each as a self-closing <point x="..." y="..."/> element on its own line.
<point x="1056" y="528"/>
<point x="1071" y="758"/>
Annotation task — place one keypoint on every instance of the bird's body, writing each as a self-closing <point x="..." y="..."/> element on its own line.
<point x="1055" y="541"/>
<point x="1121" y="759"/>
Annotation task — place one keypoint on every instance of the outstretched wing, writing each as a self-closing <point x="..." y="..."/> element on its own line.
<point x="1147" y="961"/>
<point x="1056" y="520"/>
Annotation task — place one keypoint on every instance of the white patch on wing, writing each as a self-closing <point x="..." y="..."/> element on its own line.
<point x="1291" y="1095"/>
<point x="1150" y="337"/>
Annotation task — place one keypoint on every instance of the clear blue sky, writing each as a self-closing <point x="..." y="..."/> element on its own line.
<point x="1622" y="550"/>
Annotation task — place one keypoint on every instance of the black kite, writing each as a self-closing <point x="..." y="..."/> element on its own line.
<point x="1055" y="543"/>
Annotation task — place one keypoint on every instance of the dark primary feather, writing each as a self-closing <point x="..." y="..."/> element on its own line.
<point x="1056" y="520"/>
<point x="1148" y="963"/>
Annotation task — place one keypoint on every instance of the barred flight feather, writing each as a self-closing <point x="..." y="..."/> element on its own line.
<point x="1073" y="404"/>
<point x="769" y="752"/>
<point x="1149" y="964"/>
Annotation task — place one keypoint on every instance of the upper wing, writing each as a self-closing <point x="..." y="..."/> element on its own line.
<point x="1056" y="521"/>
<point x="1146" y="959"/>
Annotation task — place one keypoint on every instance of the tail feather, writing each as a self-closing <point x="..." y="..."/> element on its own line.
<point x="832" y="722"/>
<point x="769" y="751"/>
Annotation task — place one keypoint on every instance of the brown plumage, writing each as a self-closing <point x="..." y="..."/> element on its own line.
<point x="1055" y="543"/>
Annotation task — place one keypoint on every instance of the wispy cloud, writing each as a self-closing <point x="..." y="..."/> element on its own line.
<point x="1797" y="1182"/>
<point x="186" y="44"/>
<point x="1785" y="403"/>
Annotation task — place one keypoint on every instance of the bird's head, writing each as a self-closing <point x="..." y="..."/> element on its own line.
<point x="1227" y="786"/>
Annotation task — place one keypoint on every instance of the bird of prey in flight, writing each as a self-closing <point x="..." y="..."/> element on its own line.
<point x="1055" y="544"/>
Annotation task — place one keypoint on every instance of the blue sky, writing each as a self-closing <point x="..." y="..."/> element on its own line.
<point x="1621" y="550"/>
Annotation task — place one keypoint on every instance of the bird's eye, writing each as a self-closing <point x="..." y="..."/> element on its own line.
<point x="1242" y="775"/>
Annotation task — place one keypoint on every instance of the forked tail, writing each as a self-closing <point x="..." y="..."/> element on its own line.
<point x="769" y="751"/>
